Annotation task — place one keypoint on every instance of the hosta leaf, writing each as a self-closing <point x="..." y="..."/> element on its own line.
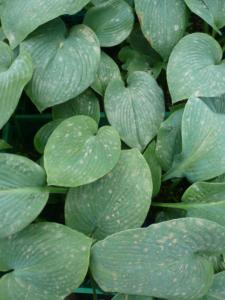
<point x="22" y="192"/>
<point x="198" y="70"/>
<point x="112" y="22"/>
<point x="78" y="153"/>
<point x="212" y="12"/>
<point x="217" y="290"/>
<point x="135" y="110"/>
<point x="169" y="139"/>
<point x="65" y="62"/>
<point x="14" y="75"/>
<point x="47" y="260"/>
<point x="154" y="166"/>
<point x="4" y="145"/>
<point x="124" y="193"/>
<point x="108" y="70"/>
<point x="170" y="260"/>
<point x="43" y="134"/>
<point x="202" y="144"/>
<point x="130" y="297"/>
<point x="29" y="15"/>
<point x="163" y="23"/>
<point x="85" y="104"/>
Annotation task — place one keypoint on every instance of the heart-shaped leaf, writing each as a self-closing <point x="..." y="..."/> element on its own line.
<point x="157" y="260"/>
<point x="85" y="104"/>
<point x="46" y="261"/>
<point x="118" y="201"/>
<point x="135" y="110"/>
<point x="196" y="70"/>
<point x="108" y="70"/>
<point x="169" y="139"/>
<point x="29" y="15"/>
<point x="217" y="290"/>
<point x="65" y="62"/>
<point x="112" y="22"/>
<point x="203" y="143"/>
<point x="23" y="194"/>
<point x="78" y="153"/>
<point x="163" y="23"/>
<point x="14" y="75"/>
<point x="212" y="12"/>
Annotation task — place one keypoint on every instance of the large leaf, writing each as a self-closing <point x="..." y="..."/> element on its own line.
<point x="85" y="104"/>
<point x="135" y="110"/>
<point x="196" y="70"/>
<point x="22" y="17"/>
<point x="14" y="75"/>
<point x="108" y="70"/>
<point x="170" y="260"/>
<point x="213" y="12"/>
<point x="118" y="201"/>
<point x="217" y="290"/>
<point x="203" y="143"/>
<point x="46" y="262"/>
<point x="169" y="139"/>
<point x="78" y="153"/>
<point x="112" y="22"/>
<point x="163" y="23"/>
<point x="65" y="62"/>
<point x="22" y="192"/>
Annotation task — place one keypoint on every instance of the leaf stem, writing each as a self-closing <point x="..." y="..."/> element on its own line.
<point x="95" y="297"/>
<point x="170" y="205"/>
<point x="57" y="190"/>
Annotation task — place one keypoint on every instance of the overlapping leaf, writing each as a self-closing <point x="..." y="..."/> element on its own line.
<point x="45" y="261"/>
<point x="169" y="260"/>
<point x="136" y="110"/>
<point x="217" y="290"/>
<point x="22" y="17"/>
<point x="78" y="153"/>
<point x="118" y="201"/>
<point x="65" y="62"/>
<point x="196" y="68"/>
<point x="22" y="192"/>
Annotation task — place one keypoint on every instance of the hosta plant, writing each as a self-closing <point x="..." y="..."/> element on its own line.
<point x="112" y="149"/>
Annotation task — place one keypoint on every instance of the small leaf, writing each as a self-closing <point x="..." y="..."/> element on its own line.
<point x="154" y="166"/>
<point x="85" y="104"/>
<point x="46" y="261"/>
<point x="196" y="71"/>
<point x="137" y="110"/>
<point x="65" y="62"/>
<point x="4" y="145"/>
<point x="108" y="70"/>
<point x="158" y="260"/>
<point x="14" y="75"/>
<point x="23" y="194"/>
<point x="212" y="12"/>
<point x="217" y="290"/>
<point x="112" y="22"/>
<point x="163" y="23"/>
<point x="29" y="15"/>
<point x="120" y="200"/>
<point x="203" y="143"/>
<point x="78" y="153"/>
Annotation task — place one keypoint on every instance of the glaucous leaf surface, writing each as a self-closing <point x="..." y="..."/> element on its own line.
<point x="120" y="200"/>
<point x="4" y="145"/>
<point x="85" y="104"/>
<point x="43" y="134"/>
<point x="135" y="110"/>
<point x="196" y="70"/>
<point x="65" y="62"/>
<point x="212" y="12"/>
<point x="169" y="139"/>
<point x="203" y="144"/>
<point x="108" y="70"/>
<point x="131" y="297"/>
<point x="46" y="261"/>
<point x="158" y="260"/>
<point x="23" y="193"/>
<point x="155" y="168"/>
<point x="15" y="72"/>
<point x="112" y="22"/>
<point x="19" y="18"/>
<point x="78" y="153"/>
<point x="163" y="23"/>
<point x="217" y="290"/>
